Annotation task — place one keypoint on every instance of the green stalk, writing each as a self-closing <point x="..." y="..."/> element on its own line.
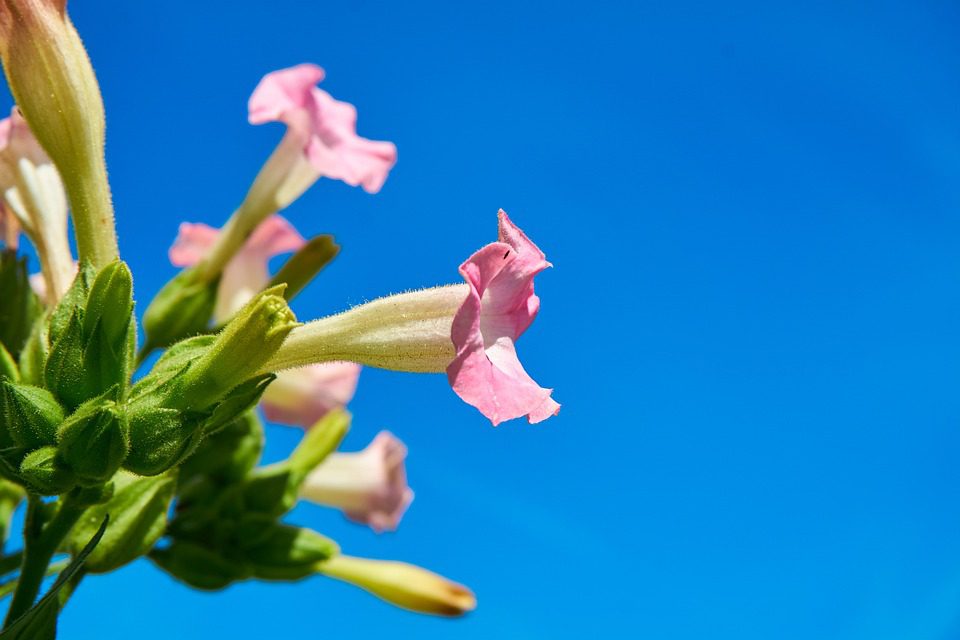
<point x="39" y="547"/>
<point x="92" y="211"/>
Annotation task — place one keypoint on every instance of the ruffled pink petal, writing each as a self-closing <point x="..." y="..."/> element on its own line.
<point x="193" y="242"/>
<point x="300" y="397"/>
<point x="326" y="126"/>
<point x="501" y="304"/>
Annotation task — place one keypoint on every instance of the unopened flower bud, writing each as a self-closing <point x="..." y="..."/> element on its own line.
<point x="45" y="473"/>
<point x="53" y="83"/>
<point x="180" y="310"/>
<point x="239" y="351"/>
<point x="403" y="585"/>
<point x="94" y="441"/>
<point x="31" y="414"/>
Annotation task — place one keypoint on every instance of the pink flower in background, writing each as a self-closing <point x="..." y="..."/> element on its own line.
<point x="369" y="486"/>
<point x="321" y="129"/>
<point x="499" y="307"/>
<point x="302" y="396"/>
<point x="247" y="273"/>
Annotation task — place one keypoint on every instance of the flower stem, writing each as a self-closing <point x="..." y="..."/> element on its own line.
<point x="39" y="546"/>
<point x="92" y="210"/>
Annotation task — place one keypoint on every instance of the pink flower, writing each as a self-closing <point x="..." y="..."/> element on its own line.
<point x="323" y="128"/>
<point x="302" y="396"/>
<point x="369" y="486"/>
<point x="246" y="273"/>
<point x="500" y="306"/>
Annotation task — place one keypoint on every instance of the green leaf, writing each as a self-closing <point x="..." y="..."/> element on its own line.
<point x="40" y="621"/>
<point x="138" y="517"/>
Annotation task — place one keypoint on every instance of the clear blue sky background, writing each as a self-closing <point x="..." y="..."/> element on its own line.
<point x="752" y="322"/>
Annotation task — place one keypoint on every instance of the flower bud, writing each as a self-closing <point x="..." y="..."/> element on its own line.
<point x="403" y="585"/>
<point x="94" y="441"/>
<point x="53" y="83"/>
<point x="31" y="414"/>
<point x="45" y="473"/>
<point x="182" y="309"/>
<point x="19" y="307"/>
<point x="239" y="351"/>
<point x="197" y="566"/>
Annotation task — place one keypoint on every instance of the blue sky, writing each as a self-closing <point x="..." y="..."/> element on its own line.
<point x="752" y="322"/>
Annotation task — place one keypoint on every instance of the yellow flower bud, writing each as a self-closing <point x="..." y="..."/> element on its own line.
<point x="402" y="584"/>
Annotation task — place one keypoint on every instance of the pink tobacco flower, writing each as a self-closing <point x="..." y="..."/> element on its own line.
<point x="369" y="486"/>
<point x="302" y="396"/>
<point x="499" y="307"/>
<point x="246" y="273"/>
<point x="320" y="129"/>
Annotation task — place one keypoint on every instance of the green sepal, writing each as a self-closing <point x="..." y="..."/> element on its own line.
<point x="108" y="328"/>
<point x="20" y="307"/>
<point x="31" y="415"/>
<point x="33" y="358"/>
<point x="43" y="471"/>
<point x="305" y="264"/>
<point x="8" y="366"/>
<point x="181" y="309"/>
<point x="138" y="510"/>
<point x="94" y="440"/>
<point x="289" y="553"/>
<point x="40" y="621"/>
<point x="198" y="566"/>
<point x="64" y="371"/>
<point x="237" y="402"/>
<point x="72" y="303"/>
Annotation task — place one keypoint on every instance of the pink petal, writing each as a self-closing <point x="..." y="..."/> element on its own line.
<point x="302" y="396"/>
<point x="327" y="127"/>
<point x="193" y="242"/>
<point x="501" y="304"/>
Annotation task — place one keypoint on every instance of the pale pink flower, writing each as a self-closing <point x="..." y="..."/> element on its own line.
<point x="32" y="197"/>
<point x="247" y="273"/>
<point x="369" y="486"/>
<point x="321" y="140"/>
<point x="500" y="306"/>
<point x="302" y="396"/>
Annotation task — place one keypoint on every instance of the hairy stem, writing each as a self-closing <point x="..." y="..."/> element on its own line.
<point x="39" y="547"/>
<point x="92" y="210"/>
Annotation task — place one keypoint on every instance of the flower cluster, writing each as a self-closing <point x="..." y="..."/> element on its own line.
<point x="118" y="443"/>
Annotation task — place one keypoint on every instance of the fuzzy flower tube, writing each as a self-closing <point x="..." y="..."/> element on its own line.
<point x="114" y="457"/>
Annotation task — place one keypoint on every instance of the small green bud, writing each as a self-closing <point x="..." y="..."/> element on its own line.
<point x="198" y="566"/>
<point x="31" y="414"/>
<point x="239" y="351"/>
<point x="33" y="358"/>
<point x="182" y="309"/>
<point x="160" y="438"/>
<point x="42" y="470"/>
<point x="108" y="327"/>
<point x="289" y="553"/>
<point x="94" y="441"/>
<point x="64" y="370"/>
